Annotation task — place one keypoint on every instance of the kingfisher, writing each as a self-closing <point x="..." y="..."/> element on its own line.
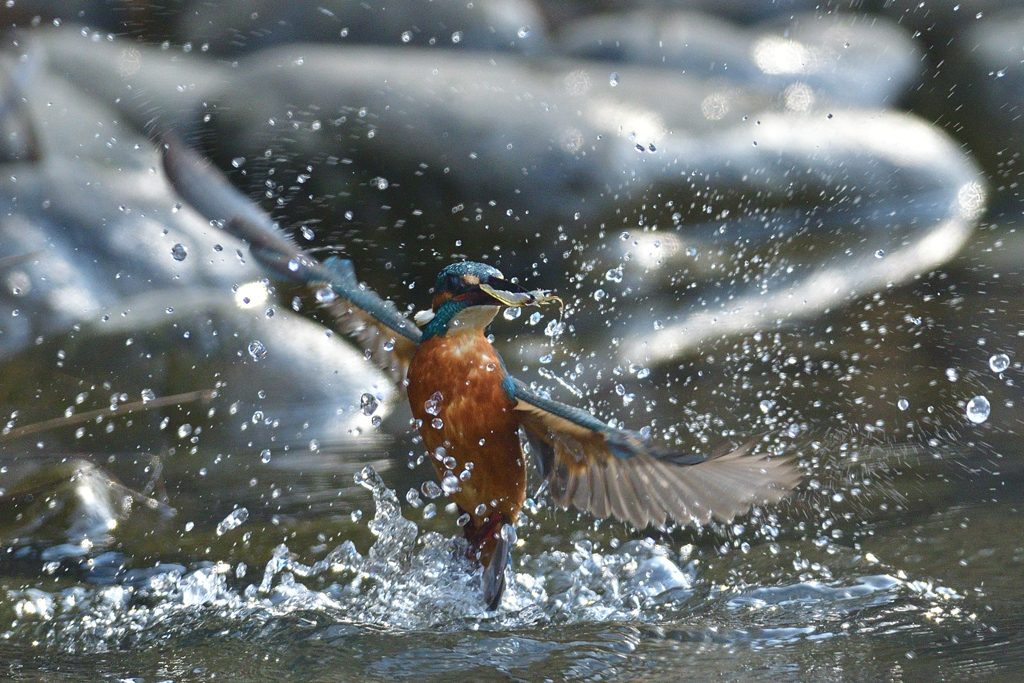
<point x="480" y="425"/>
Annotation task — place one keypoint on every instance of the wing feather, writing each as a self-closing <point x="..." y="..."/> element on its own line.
<point x="375" y="323"/>
<point x="640" y="480"/>
<point x="626" y="505"/>
<point x="614" y="472"/>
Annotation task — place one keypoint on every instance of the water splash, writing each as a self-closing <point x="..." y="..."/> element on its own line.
<point x="415" y="581"/>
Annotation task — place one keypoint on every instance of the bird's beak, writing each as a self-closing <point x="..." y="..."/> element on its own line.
<point x="511" y="294"/>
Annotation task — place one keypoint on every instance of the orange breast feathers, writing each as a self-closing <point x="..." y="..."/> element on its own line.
<point x="468" y="423"/>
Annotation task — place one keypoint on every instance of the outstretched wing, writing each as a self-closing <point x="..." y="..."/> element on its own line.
<point x="375" y="323"/>
<point x="615" y="472"/>
<point x="390" y="338"/>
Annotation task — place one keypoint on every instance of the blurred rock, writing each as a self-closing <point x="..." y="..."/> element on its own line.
<point x="229" y="28"/>
<point x="234" y="28"/>
<point x="838" y="59"/>
<point x="107" y="273"/>
<point x="364" y="129"/>
<point x="362" y="140"/>
<point x="848" y="204"/>
<point x="71" y="506"/>
<point x="154" y="89"/>
<point x="17" y="136"/>
<point x="561" y="12"/>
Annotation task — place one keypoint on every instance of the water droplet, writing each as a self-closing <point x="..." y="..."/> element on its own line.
<point x="598" y="294"/>
<point x="463" y="519"/>
<point x="413" y="498"/>
<point x="179" y="252"/>
<point x="437" y="423"/>
<point x="433" y="404"/>
<point x="512" y="313"/>
<point x="380" y="183"/>
<point x="978" y="409"/>
<point x="643" y="373"/>
<point x="554" y="328"/>
<point x="314" y="445"/>
<point x="523" y="32"/>
<point x="765" y="406"/>
<point x="232" y="521"/>
<point x="614" y="275"/>
<point x="148" y="395"/>
<point x="257" y="350"/>
<point x="999" y="362"/>
<point x="535" y="318"/>
<point x="375" y="420"/>
<point x="903" y="404"/>
<point x="952" y="375"/>
<point x="449" y="484"/>
<point x="880" y="253"/>
<point x="613" y="79"/>
<point x="430" y="489"/>
<point x="238" y="162"/>
<point x="325" y="295"/>
<point x="480" y="510"/>
<point x="356" y="515"/>
<point x="406" y="36"/>
<point x="449" y="462"/>
<point x="389" y="345"/>
<point x="508" y="532"/>
<point x="184" y="430"/>
<point x="265" y="455"/>
<point x="429" y="511"/>
<point x="457" y="36"/>
<point x="368" y="404"/>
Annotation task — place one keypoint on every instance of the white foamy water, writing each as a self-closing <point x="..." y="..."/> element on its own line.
<point x="411" y="581"/>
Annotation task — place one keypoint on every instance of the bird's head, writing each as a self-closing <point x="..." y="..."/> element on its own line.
<point x="477" y="284"/>
<point x="468" y="284"/>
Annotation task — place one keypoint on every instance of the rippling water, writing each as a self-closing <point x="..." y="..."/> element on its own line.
<point x="410" y="606"/>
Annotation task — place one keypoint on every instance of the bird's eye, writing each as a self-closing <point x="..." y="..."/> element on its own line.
<point x="454" y="283"/>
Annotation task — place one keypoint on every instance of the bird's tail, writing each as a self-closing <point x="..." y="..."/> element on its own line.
<point x="493" y="580"/>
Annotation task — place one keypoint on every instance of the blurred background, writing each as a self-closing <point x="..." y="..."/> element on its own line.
<point x="789" y="218"/>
